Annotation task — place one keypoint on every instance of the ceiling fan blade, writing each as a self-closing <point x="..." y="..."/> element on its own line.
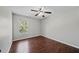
<point x="34" y="10"/>
<point x="40" y="9"/>
<point x="48" y="12"/>
<point x="37" y="14"/>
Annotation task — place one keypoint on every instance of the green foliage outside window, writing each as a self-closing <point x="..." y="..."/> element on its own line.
<point x="23" y="27"/>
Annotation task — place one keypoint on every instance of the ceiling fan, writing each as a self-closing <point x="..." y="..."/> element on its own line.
<point x="41" y="10"/>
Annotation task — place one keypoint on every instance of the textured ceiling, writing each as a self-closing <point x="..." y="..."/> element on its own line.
<point x="26" y="10"/>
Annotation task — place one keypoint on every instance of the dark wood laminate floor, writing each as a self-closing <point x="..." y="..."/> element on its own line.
<point x="41" y="44"/>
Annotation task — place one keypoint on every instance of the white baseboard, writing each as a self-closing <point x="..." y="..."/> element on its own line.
<point x="24" y="38"/>
<point x="49" y="38"/>
<point x="62" y="42"/>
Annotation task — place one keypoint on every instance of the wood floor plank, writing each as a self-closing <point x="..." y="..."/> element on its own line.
<point x="41" y="44"/>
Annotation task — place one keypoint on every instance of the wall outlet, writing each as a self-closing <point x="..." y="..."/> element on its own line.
<point x="0" y="50"/>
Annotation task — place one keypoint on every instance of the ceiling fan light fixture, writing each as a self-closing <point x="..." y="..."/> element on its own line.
<point x="41" y="11"/>
<point x="43" y="16"/>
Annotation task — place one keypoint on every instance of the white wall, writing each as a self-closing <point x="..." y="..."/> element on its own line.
<point x="5" y="30"/>
<point x="63" y="25"/>
<point x="33" y="27"/>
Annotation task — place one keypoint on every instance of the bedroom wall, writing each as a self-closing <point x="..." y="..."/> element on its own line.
<point x="33" y="27"/>
<point x="5" y="29"/>
<point x="63" y="25"/>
